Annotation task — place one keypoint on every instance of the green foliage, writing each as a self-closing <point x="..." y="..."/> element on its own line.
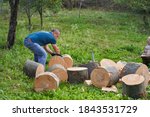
<point x="136" y="4"/>
<point x="111" y="35"/>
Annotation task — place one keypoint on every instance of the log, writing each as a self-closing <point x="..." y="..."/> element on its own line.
<point x="60" y="71"/>
<point x="91" y="66"/>
<point x="57" y="60"/>
<point x="120" y="65"/>
<point x="32" y="68"/>
<point x="104" y="76"/>
<point x="136" y="68"/>
<point x="46" y="81"/>
<point x="68" y="60"/>
<point x="107" y="63"/>
<point x="77" y="74"/>
<point x="133" y="86"/>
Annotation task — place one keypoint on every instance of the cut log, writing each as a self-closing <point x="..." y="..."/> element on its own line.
<point x="57" y="60"/>
<point x="88" y="82"/>
<point x="32" y="68"/>
<point x="91" y="66"/>
<point x="136" y="68"/>
<point x="68" y="60"/>
<point x="60" y="71"/>
<point x="145" y="59"/>
<point x="104" y="77"/>
<point x="77" y="74"/>
<point x="46" y="81"/>
<point x="113" y="88"/>
<point x="133" y="86"/>
<point x="120" y="65"/>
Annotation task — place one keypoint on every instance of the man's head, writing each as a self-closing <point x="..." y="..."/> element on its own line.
<point x="56" y="33"/>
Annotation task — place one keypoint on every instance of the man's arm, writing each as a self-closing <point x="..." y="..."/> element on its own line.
<point x="46" y="47"/>
<point x="56" y="49"/>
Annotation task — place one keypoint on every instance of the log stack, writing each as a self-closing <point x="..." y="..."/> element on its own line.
<point x="68" y="60"/>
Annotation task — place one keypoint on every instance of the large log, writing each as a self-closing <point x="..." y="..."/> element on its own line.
<point x="133" y="86"/>
<point x="60" y="71"/>
<point x="46" y="81"/>
<point x="107" y="63"/>
<point x="57" y="60"/>
<point x="136" y="68"/>
<point x="68" y="60"/>
<point x="32" y="68"/>
<point x="91" y="66"/>
<point x="77" y="74"/>
<point x="104" y="76"/>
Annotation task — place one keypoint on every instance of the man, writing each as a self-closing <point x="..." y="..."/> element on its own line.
<point x="38" y="42"/>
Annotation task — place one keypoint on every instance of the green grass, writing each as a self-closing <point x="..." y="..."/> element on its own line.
<point x="112" y="35"/>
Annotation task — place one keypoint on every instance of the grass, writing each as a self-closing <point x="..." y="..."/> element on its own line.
<point x="112" y="35"/>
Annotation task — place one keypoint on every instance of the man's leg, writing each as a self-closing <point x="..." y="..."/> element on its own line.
<point x="40" y="54"/>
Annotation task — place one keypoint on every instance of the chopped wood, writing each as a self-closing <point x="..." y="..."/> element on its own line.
<point x="46" y="81"/>
<point x="133" y="86"/>
<point x="32" y="68"/>
<point x="77" y="74"/>
<point x="57" y="60"/>
<point x="136" y="68"/>
<point x="88" y="82"/>
<point x="68" y="60"/>
<point x="104" y="76"/>
<point x="113" y="88"/>
<point x="60" y="71"/>
<point x="91" y="66"/>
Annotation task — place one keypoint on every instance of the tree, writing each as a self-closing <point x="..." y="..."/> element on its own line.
<point x="141" y="6"/>
<point x="28" y="7"/>
<point x="12" y="23"/>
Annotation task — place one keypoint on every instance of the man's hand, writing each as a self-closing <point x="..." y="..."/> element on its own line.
<point x="56" y="54"/>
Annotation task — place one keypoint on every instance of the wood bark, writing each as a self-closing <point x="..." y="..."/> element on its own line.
<point x="104" y="76"/>
<point x="46" y="81"/>
<point x="133" y="86"/>
<point x="68" y="60"/>
<point x="91" y="66"/>
<point x="60" y="71"/>
<point x="145" y="59"/>
<point x="57" y="60"/>
<point x="12" y="22"/>
<point x="136" y="68"/>
<point x="32" y="69"/>
<point x="77" y="74"/>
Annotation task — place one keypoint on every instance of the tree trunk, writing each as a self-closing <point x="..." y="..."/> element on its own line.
<point x="133" y="86"/>
<point x="12" y="23"/>
<point x="41" y="16"/>
<point x="77" y="74"/>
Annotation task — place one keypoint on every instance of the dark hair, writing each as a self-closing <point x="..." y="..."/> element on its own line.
<point x="55" y="30"/>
